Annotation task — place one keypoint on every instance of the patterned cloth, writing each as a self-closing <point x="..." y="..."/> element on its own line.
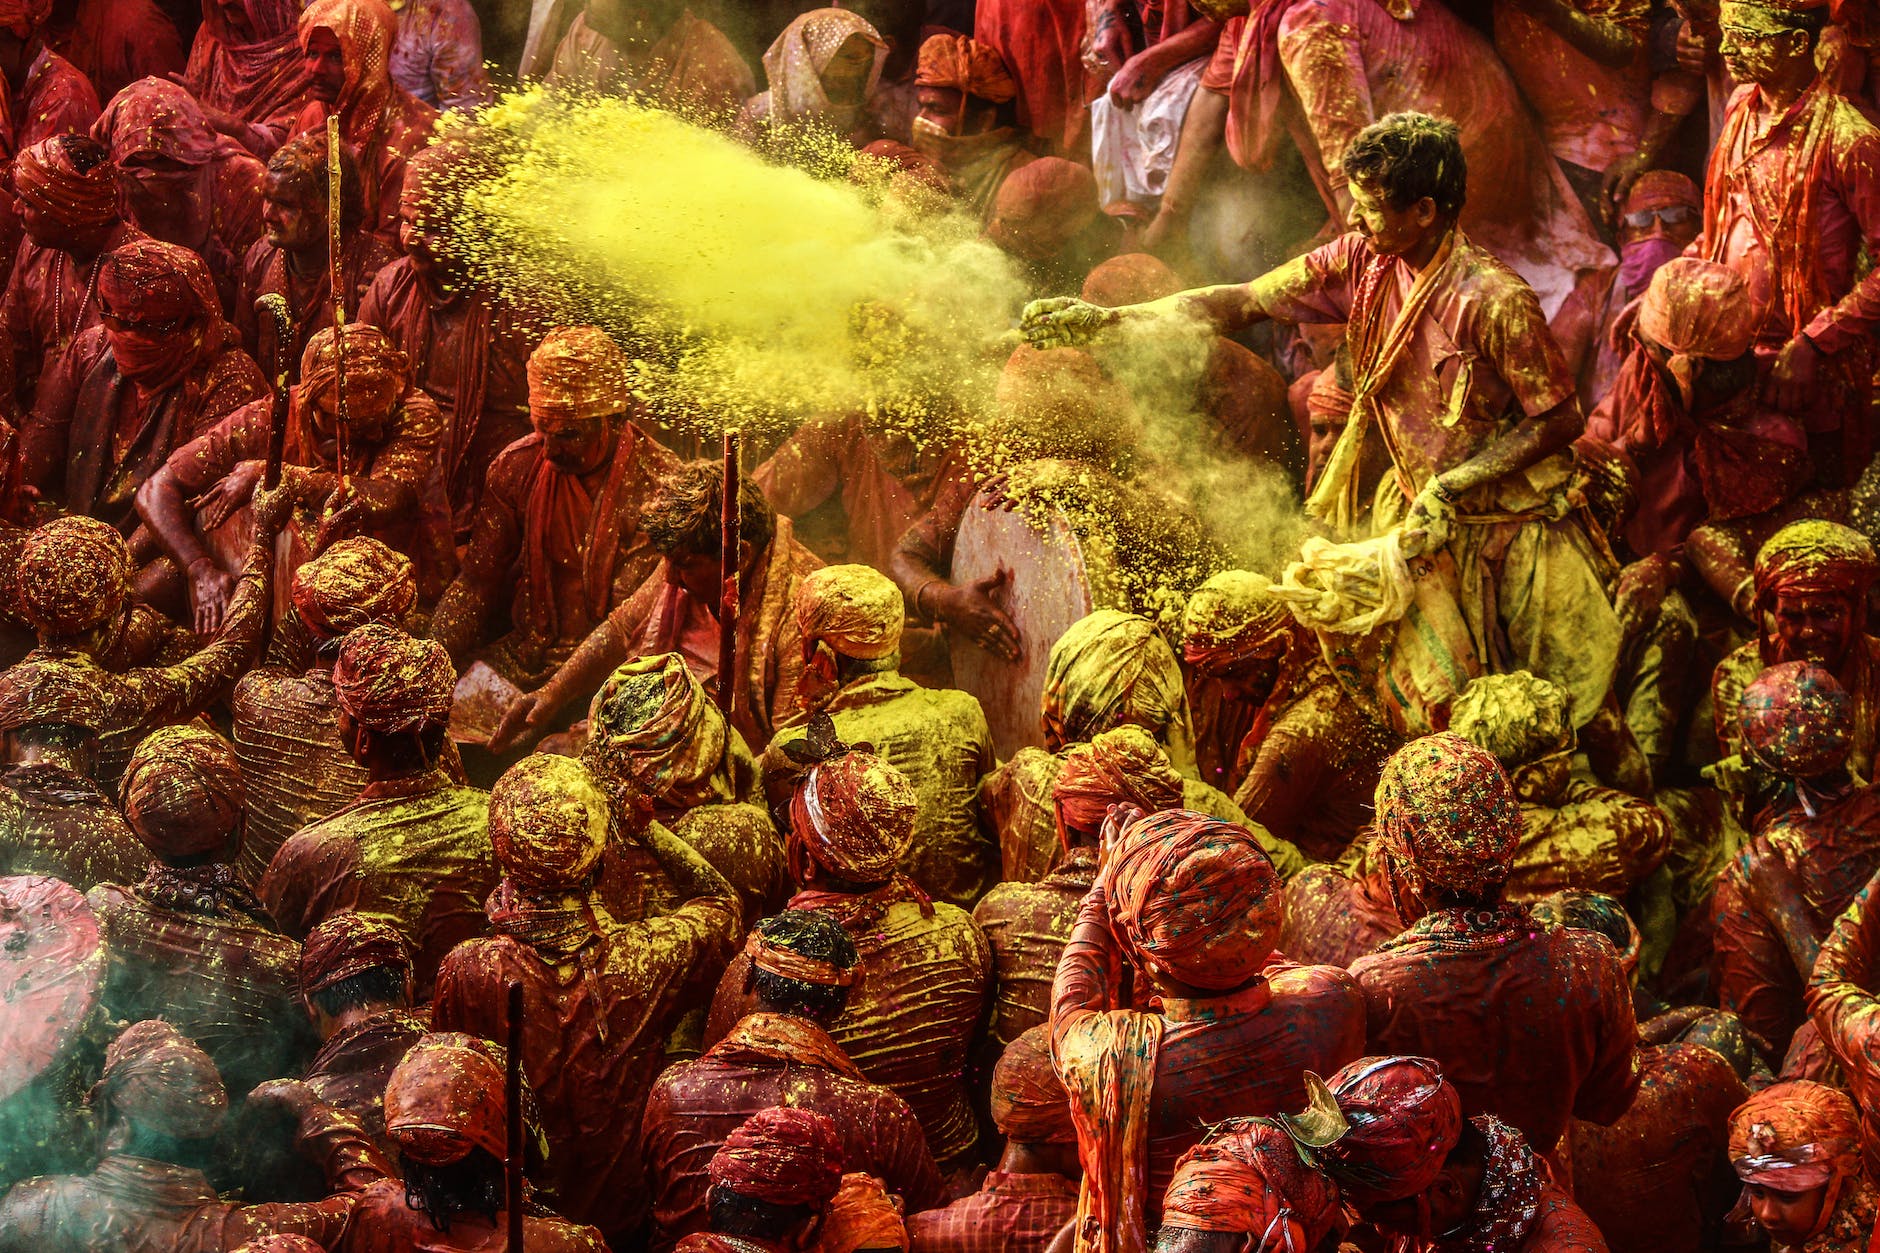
<point x="1009" y="1214"/>
<point x="438" y="55"/>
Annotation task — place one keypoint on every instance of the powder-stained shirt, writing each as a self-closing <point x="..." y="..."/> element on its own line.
<point x="438" y="54"/>
<point x="1027" y="925"/>
<point x="1843" y="1006"/>
<point x="1009" y="1214"/>
<point x="295" y="770"/>
<point x="64" y="826"/>
<point x="1595" y="839"/>
<point x="1335" y="918"/>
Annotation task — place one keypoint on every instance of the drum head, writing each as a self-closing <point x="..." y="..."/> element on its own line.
<point x="51" y="975"/>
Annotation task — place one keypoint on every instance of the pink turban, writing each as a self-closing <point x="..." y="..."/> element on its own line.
<point x="1196" y="897"/>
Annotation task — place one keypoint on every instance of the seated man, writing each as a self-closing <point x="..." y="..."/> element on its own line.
<point x="965" y="90"/>
<point x="557" y="544"/>
<point x="355" y="981"/>
<point x="1250" y="1179"/>
<point x="1795" y="1147"/>
<point x="849" y="619"/>
<point x="656" y="49"/>
<point x="772" y="1184"/>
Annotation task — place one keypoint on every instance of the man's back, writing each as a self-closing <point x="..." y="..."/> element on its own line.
<point x="295" y="771"/>
<point x="57" y="823"/>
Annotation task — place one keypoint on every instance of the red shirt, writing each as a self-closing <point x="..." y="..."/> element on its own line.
<point x="1009" y="1214"/>
<point x="384" y="1223"/>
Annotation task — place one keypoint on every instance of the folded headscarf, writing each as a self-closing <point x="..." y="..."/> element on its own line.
<point x="162" y="1082"/>
<point x="1814" y="556"/>
<point x="347" y="944"/>
<point x="1041" y="206"/>
<point x="52" y="691"/>
<point x="392" y="684"/>
<point x="1447" y="813"/>
<point x="1231" y="617"/>
<point x="853" y="816"/>
<point x="1660" y="189"/>
<point x="443" y="1100"/>
<point x="862" y="1215"/>
<point x="48" y="179"/>
<point x="1515" y="716"/>
<point x="1246" y="1177"/>
<point x="781" y="1156"/>
<point x="73" y="573"/>
<point x="1110" y="669"/>
<point x="653" y="732"/>
<point x="365" y="30"/>
<point x="1796" y="1136"/>
<point x="1120" y="767"/>
<point x="577" y="372"/>
<point x="155" y="117"/>
<point x="1197" y="898"/>
<point x="796" y="59"/>
<point x="1130" y="279"/>
<point x="372" y="361"/>
<point x="965" y="65"/>
<point x="1697" y="310"/>
<point x="548" y="822"/>
<point x="355" y="581"/>
<point x="856" y="610"/>
<point x="1797" y="720"/>
<point x="1328" y="399"/>
<point x="182" y="792"/>
<point x="148" y="280"/>
<point x="787" y="963"/>
<point x="1029" y="1101"/>
<point x="1403" y="1119"/>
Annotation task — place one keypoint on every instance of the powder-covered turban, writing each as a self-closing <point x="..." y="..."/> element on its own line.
<point x="1029" y="1102"/>
<point x="443" y="1100"/>
<point x="50" y="181"/>
<point x="1246" y="1177"/>
<point x="1121" y="767"/>
<point x="162" y="1082"/>
<point x="965" y="65"/>
<point x="1130" y="279"/>
<point x="392" y="684"/>
<point x="778" y="958"/>
<point x="856" y="610"/>
<point x="1797" y="720"/>
<point x="354" y="582"/>
<point x="1697" y="310"/>
<point x="1196" y="897"/>
<point x="53" y="691"/>
<point x="782" y="1157"/>
<point x="183" y="792"/>
<point x="1515" y="716"/>
<point x="73" y="573"/>
<point x="1660" y="189"/>
<point x="1061" y="403"/>
<point x="280" y="1242"/>
<point x="373" y="361"/>
<point x="1447" y="813"/>
<point x="347" y="944"/>
<point x="653" y="731"/>
<point x="577" y="372"/>
<point x="854" y="817"/>
<point x="1109" y="669"/>
<point x="1404" y="1118"/>
<point x="862" y="1215"/>
<point x="548" y="822"/>
<point x="1815" y="556"/>
<point x="1795" y="1136"/>
<point x="156" y="117"/>
<point x="1041" y="206"/>
<point x="150" y="281"/>
<point x="1231" y="617"/>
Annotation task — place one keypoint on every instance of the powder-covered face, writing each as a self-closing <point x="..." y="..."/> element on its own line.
<point x="1392" y="232"/>
<point x="1813" y="626"/>
<point x="1758" y="46"/>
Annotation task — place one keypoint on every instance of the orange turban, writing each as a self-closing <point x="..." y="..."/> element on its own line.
<point x="862" y="1216"/>
<point x="392" y="684"/>
<point x="856" y="610"/>
<point x="548" y="822"/>
<point x="1815" y="556"/>
<point x="965" y="65"/>
<point x="354" y="582"/>
<point x="348" y="944"/>
<point x="162" y="1082"/>
<point x="443" y="1100"/>
<point x="42" y="693"/>
<point x="372" y="361"/>
<point x="1120" y="767"/>
<point x="1231" y="617"/>
<point x="653" y="733"/>
<point x="854" y="817"/>
<point x="1246" y="1177"/>
<point x="1447" y="812"/>
<point x="1795" y="1136"/>
<point x="183" y="792"/>
<point x="1198" y="898"/>
<point x="1041" y="206"/>
<point x="1697" y="310"/>
<point x="577" y="372"/>
<point x="1404" y="1119"/>
<point x="1029" y="1102"/>
<point x="52" y="182"/>
<point x="1659" y="189"/>
<point x="73" y="574"/>
<point x="781" y="1156"/>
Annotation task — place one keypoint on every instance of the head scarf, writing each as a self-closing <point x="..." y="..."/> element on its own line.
<point x="48" y="179"/>
<point x="1120" y="767"/>
<point x="155" y="117"/>
<point x="577" y="372"/>
<point x="1246" y="1177"/>
<point x="1029" y="1103"/>
<point x="1110" y="669"/>
<point x="443" y="1100"/>
<point x="548" y="822"/>
<point x="162" y="1082"/>
<point x="1198" y="899"/>
<point x="794" y="64"/>
<point x="1796" y="1136"/>
<point x="1815" y="556"/>
<point x="149" y="282"/>
<point x="1447" y="814"/>
<point x="365" y="30"/>
<point x="1592" y="911"/>
<point x="786" y="963"/>
<point x="281" y="1243"/>
<point x="1797" y="720"/>
<point x="1660" y="189"/>
<point x="965" y="65"/>
<point x="1515" y="716"/>
<point x="392" y="684"/>
<point x="183" y="792"/>
<point x="73" y="574"/>
<point x="354" y="582"/>
<point x="862" y="1215"/>
<point x="23" y="17"/>
<point x="782" y="1157"/>
<point x="1231" y="617"/>
<point x="653" y="733"/>
<point x="1404" y="1118"/>
<point x="855" y="610"/>
<point x="1697" y="310"/>
<point x="1130" y="279"/>
<point x="854" y="816"/>
<point x="1041" y="207"/>
<point x="347" y="944"/>
<point x="52" y="692"/>
<point x="372" y="360"/>
<point x="1058" y="402"/>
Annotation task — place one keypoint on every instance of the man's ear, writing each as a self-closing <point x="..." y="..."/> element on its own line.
<point x="1426" y="212"/>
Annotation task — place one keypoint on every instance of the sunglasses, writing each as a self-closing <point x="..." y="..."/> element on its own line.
<point x="1667" y="215"/>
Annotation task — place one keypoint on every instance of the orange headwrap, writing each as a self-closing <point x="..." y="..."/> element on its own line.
<point x="354" y="582"/>
<point x="965" y="65"/>
<point x="856" y="610"/>
<point x="862" y="1215"/>
<point x="1130" y="279"/>
<point x="1197" y="898"/>
<point x="53" y="691"/>
<point x="183" y="792"/>
<point x="1120" y="767"/>
<point x="51" y="182"/>
<point x="162" y="1082"/>
<point x="548" y="822"/>
<point x="1447" y="813"/>
<point x="1110" y="669"/>
<point x="787" y="963"/>
<point x="73" y="573"/>
<point x="1041" y="206"/>
<point x="443" y="1100"/>
<point x="1404" y="1119"/>
<point x="348" y="944"/>
<point x="1815" y="556"/>
<point x="390" y="683"/>
<point x="1697" y="310"/>
<point x="1029" y="1102"/>
<point x="1246" y="1177"/>
<point x="654" y="736"/>
<point x="577" y="372"/>
<point x="372" y="361"/>
<point x="1797" y="1136"/>
<point x="854" y="817"/>
<point x="1231" y="617"/>
<point x="782" y="1156"/>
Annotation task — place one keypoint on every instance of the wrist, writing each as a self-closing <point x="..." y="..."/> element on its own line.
<point x="197" y="562"/>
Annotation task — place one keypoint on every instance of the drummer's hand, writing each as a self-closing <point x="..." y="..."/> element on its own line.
<point x="972" y="611"/>
<point x="998" y="490"/>
<point x="231" y="492"/>
<point x="1063" y="322"/>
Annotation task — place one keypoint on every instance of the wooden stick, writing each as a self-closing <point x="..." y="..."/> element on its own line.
<point x="512" y="1108"/>
<point x="728" y="546"/>
<point x="335" y="282"/>
<point x="272" y="310"/>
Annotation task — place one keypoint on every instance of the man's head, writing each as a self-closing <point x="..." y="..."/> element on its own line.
<point x="654" y="736"/>
<point x="959" y="85"/>
<point x="294" y="195"/>
<point x="377" y="376"/>
<point x="1235" y="630"/>
<point x="1797" y="721"/>
<point x="1662" y="214"/>
<point x="1812" y="580"/>
<point x="444" y="1113"/>
<point x="162" y="143"/>
<point x="851" y="819"/>
<point x="1246" y="1186"/>
<point x="548" y="823"/>
<point x="1403" y="1119"/>
<point x="1328" y="409"/>
<point x="351" y="583"/>
<point x="428" y="202"/>
<point x="1447" y="825"/>
<point x="1132" y="278"/>
<point x="1042" y="208"/>
<point x="394" y="695"/>
<point x="578" y="397"/>
<point x="182" y="795"/>
<point x="1030" y="1106"/>
<point x="1196" y="899"/>
<point x="157" y="302"/>
<point x="1695" y="313"/>
<point x="1771" y="44"/>
<point x="1114" y="669"/>
<point x="1407" y="180"/>
<point x="345" y="48"/>
<point x="52" y="710"/>
<point x="67" y="189"/>
<point x="1527" y="723"/>
<point x="775" y="1177"/>
<point x="1060" y="403"/>
<point x="682" y="520"/>
<point x="1794" y="1145"/>
<point x="850" y="618"/>
<point x="1596" y="912"/>
<point x="802" y="963"/>
<point x="73" y="577"/>
<point x="352" y="966"/>
<point x="160" y="1096"/>
<point x="1124" y="766"/>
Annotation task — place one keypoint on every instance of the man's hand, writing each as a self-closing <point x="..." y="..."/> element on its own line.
<point x="1140" y="75"/>
<point x="1427" y="527"/>
<point x="518" y="726"/>
<point x="1792" y="378"/>
<point x="234" y="490"/>
<point x="210" y="588"/>
<point x="290" y="1097"/>
<point x="1693" y="51"/>
<point x="1063" y="322"/>
<point x="1617" y="184"/>
<point x="272" y="507"/>
<point x="972" y="611"/>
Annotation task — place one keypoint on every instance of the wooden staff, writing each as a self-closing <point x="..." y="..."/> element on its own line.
<point x="512" y="1109"/>
<point x="336" y="282"/>
<point x="732" y="523"/>
<point x="272" y="310"/>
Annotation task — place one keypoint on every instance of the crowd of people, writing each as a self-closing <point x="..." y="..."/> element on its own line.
<point x="408" y="843"/>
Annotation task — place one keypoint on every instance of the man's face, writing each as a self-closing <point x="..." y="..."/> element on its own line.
<point x="1813" y="626"/>
<point x="1788" y="1217"/>
<point x="940" y="107"/>
<point x="370" y="402"/>
<point x="1326" y="428"/>
<point x="156" y="186"/>
<point x="292" y="213"/>
<point x="44" y="229"/>
<point x="846" y="77"/>
<point x="1757" y="47"/>
<point x="423" y="242"/>
<point x="698" y="574"/>
<point x="577" y="445"/>
<point x="325" y="65"/>
<point x="1392" y="232"/>
<point x="1676" y="224"/>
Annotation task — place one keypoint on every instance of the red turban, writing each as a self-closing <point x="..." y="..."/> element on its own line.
<point x="1246" y="1177"/>
<point x="1327" y="398"/>
<point x="1113" y="669"/>
<point x="162" y="1082"/>
<point x="392" y="684"/>
<point x="50" y="181"/>
<point x="1131" y="279"/>
<point x="653" y="733"/>
<point x="154" y="116"/>
<point x="1815" y="556"/>
<point x="1795" y="1136"/>
<point x="42" y="693"/>
<point x="1231" y="618"/>
<point x="1697" y="310"/>
<point x="1041" y="206"/>
<point x="854" y="817"/>
<point x="1660" y="189"/>
<point x="856" y="610"/>
<point x="1446" y="811"/>
<point x="862" y="1215"/>
<point x="373" y="362"/>
<point x="1029" y="1103"/>
<point x="782" y="1157"/>
<point x="1797" y="720"/>
<point x="1198" y="898"/>
<point x="183" y="792"/>
<point x="1121" y="767"/>
<point x="347" y="944"/>
<point x="1404" y="1118"/>
<point x="148" y="280"/>
<point x="965" y="65"/>
<point x="73" y="573"/>
<point x="548" y="822"/>
<point x="354" y="582"/>
<point x="577" y="372"/>
<point x="444" y="1100"/>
